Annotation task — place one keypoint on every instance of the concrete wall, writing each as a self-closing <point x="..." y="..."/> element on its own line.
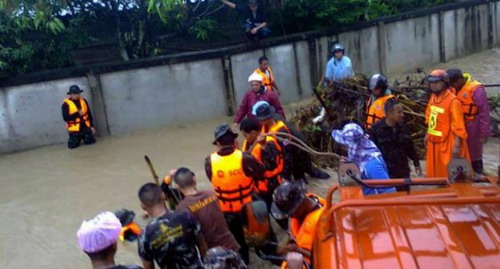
<point x="30" y="115"/>
<point x="207" y="85"/>
<point x="163" y="95"/>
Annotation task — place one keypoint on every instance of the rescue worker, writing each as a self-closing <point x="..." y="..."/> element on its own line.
<point x="339" y="67"/>
<point x="268" y="151"/>
<point x="296" y="161"/>
<point x="256" y="93"/>
<point x="446" y="134"/>
<point x="267" y="75"/>
<point x="476" y="112"/>
<point x="79" y="122"/>
<point x="304" y="210"/>
<point x="379" y="94"/>
<point x="98" y="238"/>
<point x="171" y="239"/>
<point x="232" y="174"/>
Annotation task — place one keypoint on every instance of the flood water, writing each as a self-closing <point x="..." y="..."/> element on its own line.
<point x="47" y="192"/>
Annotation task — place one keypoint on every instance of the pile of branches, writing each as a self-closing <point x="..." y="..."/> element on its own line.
<point x="345" y="102"/>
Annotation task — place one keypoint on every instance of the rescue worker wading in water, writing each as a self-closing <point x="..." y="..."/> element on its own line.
<point x="379" y="94"/>
<point x="296" y="161"/>
<point x="79" y="121"/>
<point x="303" y="209"/>
<point x="446" y="134"/>
<point x="233" y="174"/>
<point x="268" y="151"/>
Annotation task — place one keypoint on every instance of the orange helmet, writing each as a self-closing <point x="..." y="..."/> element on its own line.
<point x="438" y="75"/>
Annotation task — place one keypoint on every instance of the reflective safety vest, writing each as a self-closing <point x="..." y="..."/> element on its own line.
<point x="303" y="233"/>
<point x="375" y="110"/>
<point x="262" y="186"/>
<point x="466" y="95"/>
<point x="439" y="117"/>
<point x="233" y="188"/>
<point x="73" y="126"/>
<point x="267" y="81"/>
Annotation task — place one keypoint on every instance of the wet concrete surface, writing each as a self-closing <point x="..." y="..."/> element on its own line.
<point x="47" y="192"/>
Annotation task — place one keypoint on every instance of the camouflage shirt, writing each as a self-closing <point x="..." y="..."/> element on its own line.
<point x="171" y="240"/>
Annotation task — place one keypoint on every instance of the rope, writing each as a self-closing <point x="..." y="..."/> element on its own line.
<point x="301" y="145"/>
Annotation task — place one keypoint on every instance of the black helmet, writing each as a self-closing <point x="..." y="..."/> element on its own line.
<point x="221" y="258"/>
<point x="287" y="198"/>
<point x="377" y="81"/>
<point x="338" y="47"/>
<point x="74" y="89"/>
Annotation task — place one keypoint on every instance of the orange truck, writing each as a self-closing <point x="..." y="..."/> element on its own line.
<point x="435" y="223"/>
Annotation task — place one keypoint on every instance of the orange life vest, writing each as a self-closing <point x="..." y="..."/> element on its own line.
<point x="466" y="95"/>
<point x="129" y="228"/>
<point x="233" y="188"/>
<point x="267" y="81"/>
<point x="303" y="233"/>
<point x="439" y="117"/>
<point x="276" y="128"/>
<point x="256" y="151"/>
<point x="73" y="126"/>
<point x="375" y="110"/>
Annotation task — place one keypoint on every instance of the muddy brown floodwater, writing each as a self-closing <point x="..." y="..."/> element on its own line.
<point x="47" y="192"/>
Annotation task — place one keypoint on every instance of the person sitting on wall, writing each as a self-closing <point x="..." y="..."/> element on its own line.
<point x="255" y="25"/>
<point x="79" y="122"/>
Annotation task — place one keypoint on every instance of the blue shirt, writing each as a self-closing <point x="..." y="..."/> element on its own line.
<point x="339" y="69"/>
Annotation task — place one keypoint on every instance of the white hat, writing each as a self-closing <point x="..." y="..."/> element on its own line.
<point x="255" y="77"/>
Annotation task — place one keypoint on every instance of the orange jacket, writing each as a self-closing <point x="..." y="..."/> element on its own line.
<point x="276" y="128"/>
<point x="233" y="188"/>
<point x="375" y="109"/>
<point x="74" y="125"/>
<point x="256" y="151"/>
<point x="303" y="233"/>
<point x="466" y="96"/>
<point x="267" y="81"/>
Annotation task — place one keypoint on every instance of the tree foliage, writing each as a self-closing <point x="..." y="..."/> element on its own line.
<point x="42" y="34"/>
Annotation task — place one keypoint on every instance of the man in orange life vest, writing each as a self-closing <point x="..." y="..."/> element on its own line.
<point x="79" y="121"/>
<point x="304" y="210"/>
<point x="267" y="75"/>
<point x="476" y="111"/>
<point x="268" y="151"/>
<point x="377" y="86"/>
<point x="446" y="135"/>
<point x="233" y="174"/>
<point x="296" y="161"/>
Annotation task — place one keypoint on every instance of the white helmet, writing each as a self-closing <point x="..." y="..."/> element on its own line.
<point x="255" y="77"/>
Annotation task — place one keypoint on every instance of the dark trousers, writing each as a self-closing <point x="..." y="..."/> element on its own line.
<point x="262" y="33"/>
<point x="477" y="166"/>
<point x="75" y="138"/>
<point x="235" y="223"/>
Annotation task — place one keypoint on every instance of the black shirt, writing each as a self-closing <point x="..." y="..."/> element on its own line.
<point x="245" y="11"/>
<point x="68" y="117"/>
<point x="171" y="240"/>
<point x="126" y="267"/>
<point x="396" y="146"/>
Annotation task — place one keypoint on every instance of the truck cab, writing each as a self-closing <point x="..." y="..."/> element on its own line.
<point x="435" y="223"/>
